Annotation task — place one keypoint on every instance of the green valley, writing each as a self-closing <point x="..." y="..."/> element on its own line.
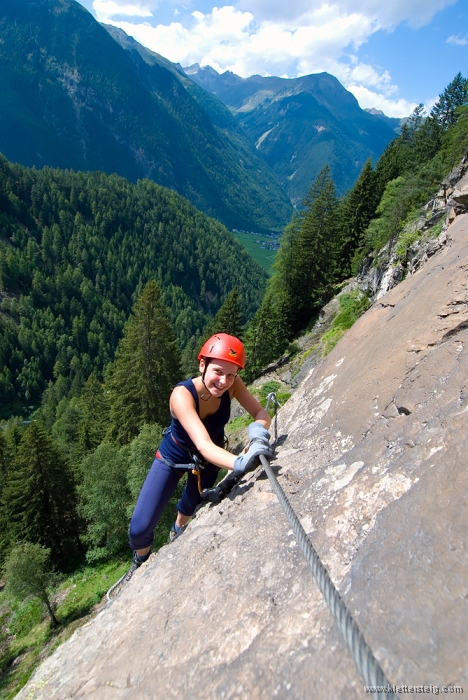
<point x="262" y="248"/>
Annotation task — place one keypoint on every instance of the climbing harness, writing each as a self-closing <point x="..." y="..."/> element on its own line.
<point x="365" y="661"/>
<point x="218" y="492"/>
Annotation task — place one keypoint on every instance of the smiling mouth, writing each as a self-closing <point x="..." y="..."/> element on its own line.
<point x="219" y="388"/>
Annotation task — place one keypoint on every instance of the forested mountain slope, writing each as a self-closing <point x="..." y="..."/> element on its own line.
<point x="76" y="248"/>
<point x="73" y="98"/>
<point x="301" y="124"/>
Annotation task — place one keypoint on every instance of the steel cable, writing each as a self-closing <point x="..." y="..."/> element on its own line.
<point x="366" y="663"/>
<point x="114" y="586"/>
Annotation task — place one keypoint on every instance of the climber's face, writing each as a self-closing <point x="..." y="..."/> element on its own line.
<point x="219" y="375"/>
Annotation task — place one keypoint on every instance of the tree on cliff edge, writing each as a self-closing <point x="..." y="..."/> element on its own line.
<point x="268" y="333"/>
<point x="357" y="210"/>
<point x="455" y="95"/>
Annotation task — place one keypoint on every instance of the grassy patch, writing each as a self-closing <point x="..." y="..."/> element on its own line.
<point x="238" y="424"/>
<point x="26" y="632"/>
<point x="352" y="306"/>
<point x="404" y="243"/>
<point x="86" y="587"/>
<point x="411" y="235"/>
<point x="331" y="338"/>
<point x="436" y="230"/>
<point x="269" y="387"/>
<point x="306" y="354"/>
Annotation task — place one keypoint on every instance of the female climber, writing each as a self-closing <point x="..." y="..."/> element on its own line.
<point x="200" y="408"/>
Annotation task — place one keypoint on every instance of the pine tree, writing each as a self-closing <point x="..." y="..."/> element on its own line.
<point x="287" y="260"/>
<point x="4" y="465"/>
<point x="10" y="438"/>
<point x="3" y="462"/>
<point x="189" y="361"/>
<point x="95" y="415"/>
<point x="39" y="497"/>
<point x="146" y="367"/>
<point x="419" y="141"/>
<point x="315" y="261"/>
<point x="141" y="453"/>
<point x="389" y="166"/>
<point x="228" y="319"/>
<point x="427" y="140"/>
<point x="357" y="211"/>
<point x="455" y="95"/>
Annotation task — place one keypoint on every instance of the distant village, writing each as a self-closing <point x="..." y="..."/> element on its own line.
<point x="272" y="244"/>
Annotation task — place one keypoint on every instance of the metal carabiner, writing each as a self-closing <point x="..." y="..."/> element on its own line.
<point x="197" y="471"/>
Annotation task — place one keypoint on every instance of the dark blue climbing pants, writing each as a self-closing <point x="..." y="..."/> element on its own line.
<point x="159" y="486"/>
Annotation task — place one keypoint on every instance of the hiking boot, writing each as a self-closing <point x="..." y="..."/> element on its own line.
<point x="136" y="563"/>
<point x="138" y="560"/>
<point x="176" y="532"/>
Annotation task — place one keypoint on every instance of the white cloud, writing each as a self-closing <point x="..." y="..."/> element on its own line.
<point x="392" y="108"/>
<point x="106" y="9"/>
<point x="230" y="39"/>
<point x="274" y="37"/>
<point x="458" y="40"/>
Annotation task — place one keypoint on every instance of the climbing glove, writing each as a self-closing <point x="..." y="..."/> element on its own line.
<point x="250" y="460"/>
<point x="258" y="432"/>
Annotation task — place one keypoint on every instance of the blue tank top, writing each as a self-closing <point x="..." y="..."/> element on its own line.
<point x="177" y="442"/>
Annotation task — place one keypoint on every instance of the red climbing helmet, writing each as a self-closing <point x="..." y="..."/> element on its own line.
<point x="223" y="347"/>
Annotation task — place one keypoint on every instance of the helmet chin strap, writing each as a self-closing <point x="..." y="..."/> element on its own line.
<point x="207" y="361"/>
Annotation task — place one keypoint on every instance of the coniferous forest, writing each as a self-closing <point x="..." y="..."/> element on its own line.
<point x="107" y="291"/>
<point x="75" y="252"/>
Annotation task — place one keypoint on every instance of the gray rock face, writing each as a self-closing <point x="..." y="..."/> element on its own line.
<point x="460" y="194"/>
<point x="373" y="459"/>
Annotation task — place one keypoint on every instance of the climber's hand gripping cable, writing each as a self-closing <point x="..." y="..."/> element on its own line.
<point x="258" y="432"/>
<point x="250" y="460"/>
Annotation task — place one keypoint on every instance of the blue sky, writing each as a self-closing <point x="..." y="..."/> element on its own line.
<point x="392" y="54"/>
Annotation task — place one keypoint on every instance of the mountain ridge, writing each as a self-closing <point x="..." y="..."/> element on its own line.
<point x="74" y="98"/>
<point x="301" y="124"/>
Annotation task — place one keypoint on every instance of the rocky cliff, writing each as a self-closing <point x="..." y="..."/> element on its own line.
<point x="372" y="456"/>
